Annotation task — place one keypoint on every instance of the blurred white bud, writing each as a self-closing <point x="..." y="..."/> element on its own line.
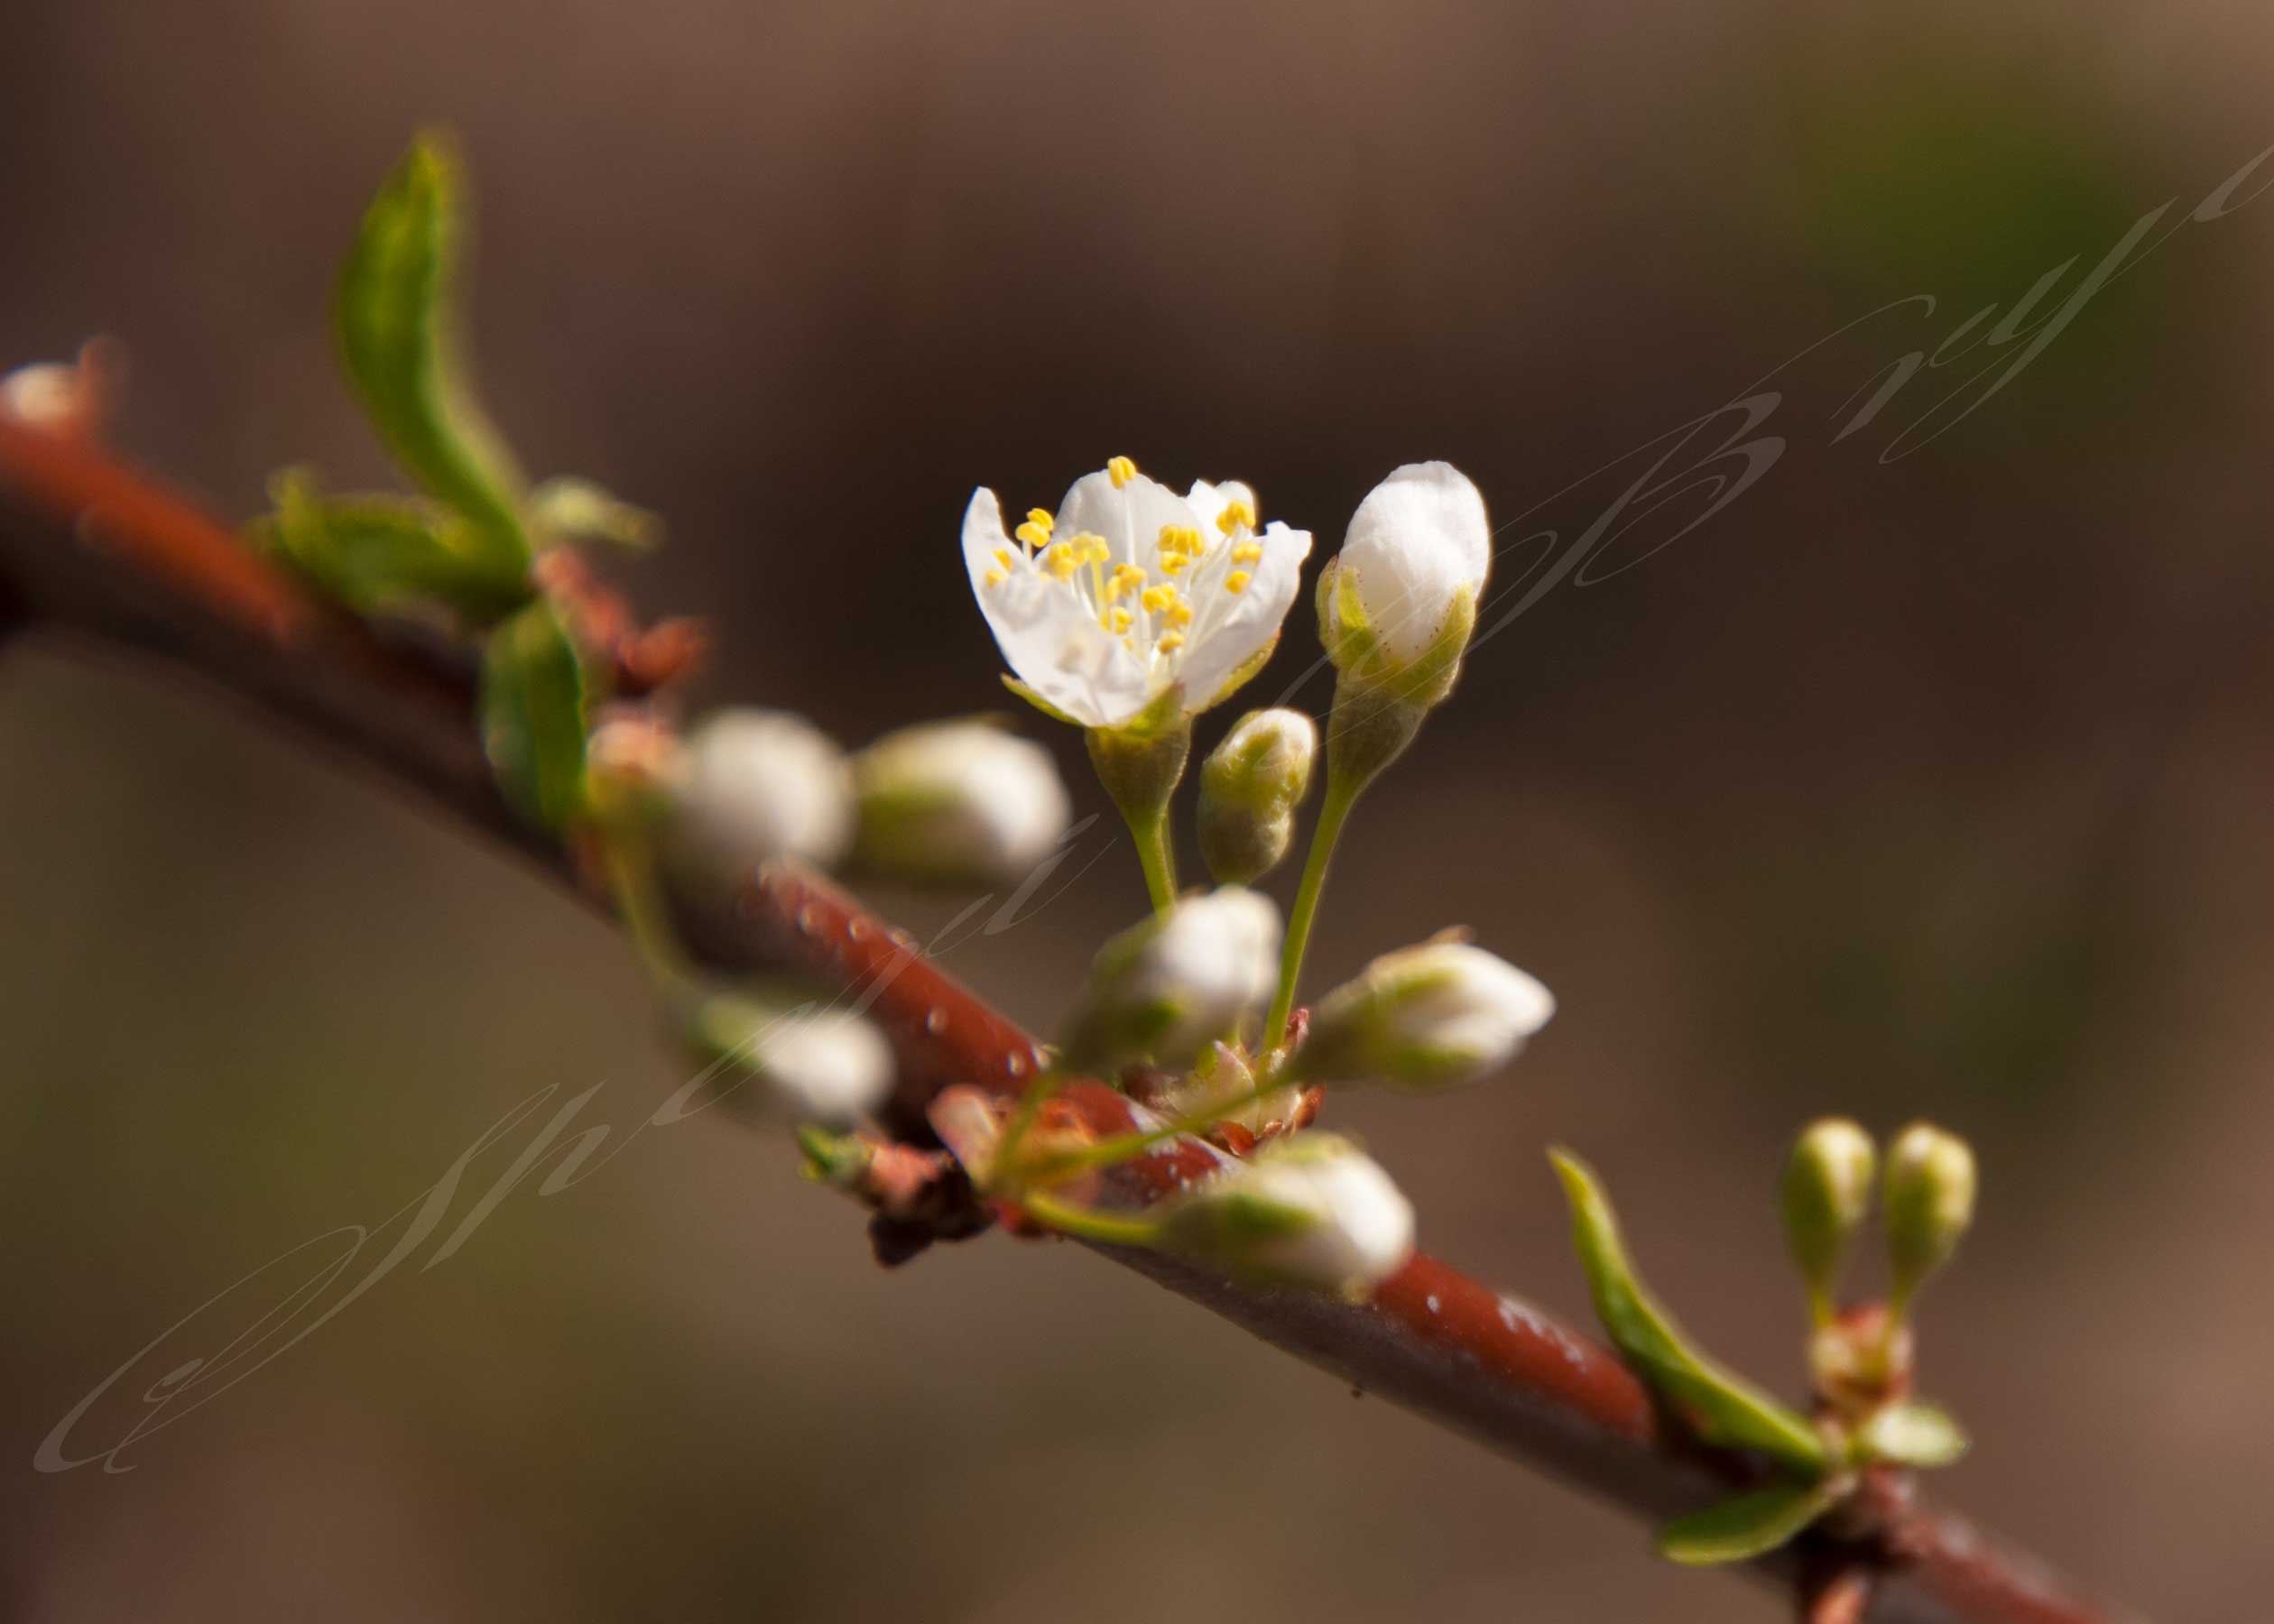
<point x="958" y="801"/>
<point x="1312" y="1209"/>
<point x="1428" y="1016"/>
<point x="1396" y="605"/>
<point x="750" y="786"/>
<point x="826" y="1065"/>
<point x="69" y="397"/>
<point x="1930" y="1203"/>
<point x="1250" y="787"/>
<point x="1166" y="987"/>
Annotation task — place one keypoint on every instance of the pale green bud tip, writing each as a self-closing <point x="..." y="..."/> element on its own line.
<point x="1312" y="1210"/>
<point x="953" y="801"/>
<point x="1930" y="1201"/>
<point x="1169" y="985"/>
<point x="750" y="786"/>
<point x="1828" y="1190"/>
<point x="1250" y="786"/>
<point x="1434" y="1016"/>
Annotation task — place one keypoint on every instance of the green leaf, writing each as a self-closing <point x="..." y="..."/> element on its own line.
<point x="398" y="335"/>
<point x="1722" y="1405"/>
<point x="577" y="510"/>
<point x="1751" y="1525"/>
<point x="1913" y="1434"/>
<point x="532" y="708"/>
<point x="375" y="552"/>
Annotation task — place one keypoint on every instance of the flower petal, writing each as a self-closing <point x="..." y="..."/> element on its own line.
<point x="1208" y="501"/>
<point x="1129" y="516"/>
<point x="1046" y="634"/>
<point x="1419" y="538"/>
<point x="1233" y="627"/>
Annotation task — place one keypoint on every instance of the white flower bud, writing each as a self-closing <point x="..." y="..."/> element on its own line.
<point x="1313" y="1210"/>
<point x="750" y="786"/>
<point x="1166" y="987"/>
<point x="825" y="1065"/>
<point x="1250" y="787"/>
<point x="1428" y="1016"/>
<point x="1397" y="604"/>
<point x="958" y="801"/>
<point x="1930" y="1203"/>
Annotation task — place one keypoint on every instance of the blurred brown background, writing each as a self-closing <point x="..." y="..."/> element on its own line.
<point x="1933" y="786"/>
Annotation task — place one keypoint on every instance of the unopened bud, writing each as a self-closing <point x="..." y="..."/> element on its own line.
<point x="1434" y="1016"/>
<point x="1827" y="1191"/>
<point x="1930" y="1203"/>
<point x="1250" y="787"/>
<point x="1166" y="987"/>
<point x="1312" y="1210"/>
<point x="1398" y="604"/>
<point x="752" y="786"/>
<point x="825" y="1065"/>
<point x="957" y="802"/>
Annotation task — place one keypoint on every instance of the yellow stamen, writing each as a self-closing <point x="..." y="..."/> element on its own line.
<point x="1116" y="620"/>
<point x="1247" y="552"/>
<point x="1171" y="643"/>
<point x="1126" y="578"/>
<point x="1236" y="582"/>
<point x="996" y="577"/>
<point x="1003" y="556"/>
<point x="1034" y="535"/>
<point x="1157" y="599"/>
<point x="1062" y="560"/>
<point x="1041" y="519"/>
<point x="1236" y="516"/>
<point x="1119" y="470"/>
<point x="1173" y="564"/>
<point x="1181" y="613"/>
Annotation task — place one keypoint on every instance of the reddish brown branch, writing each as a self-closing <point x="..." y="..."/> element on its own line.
<point x="164" y="579"/>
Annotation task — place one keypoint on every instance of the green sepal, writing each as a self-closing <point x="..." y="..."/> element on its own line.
<point x="1750" y="1526"/>
<point x="1243" y="672"/>
<point x="397" y="324"/>
<point x="376" y="552"/>
<point x="1912" y="1434"/>
<point x="1722" y="1407"/>
<point x="1040" y="703"/>
<point x="577" y="510"/>
<point x="532" y="714"/>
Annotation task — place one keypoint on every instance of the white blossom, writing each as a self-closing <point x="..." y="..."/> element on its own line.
<point x="1130" y="590"/>
<point x="1434" y="1016"/>
<point x="959" y="800"/>
<point x="1415" y="558"/>
<point x="826" y="1065"/>
<point x="1312" y="1209"/>
<point x="747" y="786"/>
<point x="1169" y="985"/>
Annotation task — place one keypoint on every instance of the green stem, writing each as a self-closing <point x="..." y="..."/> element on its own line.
<point x="1156" y="857"/>
<point x="630" y="866"/>
<point x="1084" y="1224"/>
<point x="1342" y="795"/>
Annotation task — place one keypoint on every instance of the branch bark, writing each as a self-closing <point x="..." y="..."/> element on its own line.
<point x="89" y="545"/>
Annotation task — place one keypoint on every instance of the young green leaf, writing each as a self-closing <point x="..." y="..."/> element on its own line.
<point x="1913" y="1434"/>
<point x="1722" y="1405"/>
<point x="577" y="510"/>
<point x="398" y="331"/>
<point x="375" y="552"/>
<point x="1751" y="1525"/>
<point x="532" y="707"/>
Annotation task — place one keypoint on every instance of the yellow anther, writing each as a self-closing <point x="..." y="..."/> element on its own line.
<point x="1247" y="552"/>
<point x="1156" y="598"/>
<point x="996" y="577"/>
<point x="1171" y="643"/>
<point x="1174" y="564"/>
<point x="1119" y="470"/>
<point x="1063" y="560"/>
<point x="1003" y="556"/>
<point x="1041" y="519"/>
<point x="1096" y="549"/>
<point x="1032" y="534"/>
<point x="1181" y="613"/>
<point x="1126" y="578"/>
<point x="1235" y="515"/>
<point x="1175" y="539"/>
<point x="1236" y="582"/>
<point x="1116" y="620"/>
